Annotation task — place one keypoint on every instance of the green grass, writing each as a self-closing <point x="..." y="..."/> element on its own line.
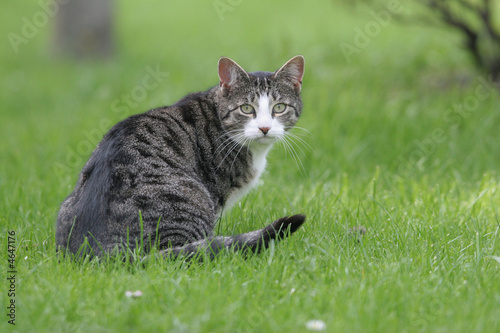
<point x="429" y="261"/>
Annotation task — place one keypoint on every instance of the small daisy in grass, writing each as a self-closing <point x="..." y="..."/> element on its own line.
<point x="316" y="325"/>
<point x="134" y="294"/>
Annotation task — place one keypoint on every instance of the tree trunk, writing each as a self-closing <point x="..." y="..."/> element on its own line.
<point x="84" y="28"/>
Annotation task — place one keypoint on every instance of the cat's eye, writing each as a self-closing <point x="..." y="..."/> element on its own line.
<point x="247" y="109"/>
<point x="279" y="108"/>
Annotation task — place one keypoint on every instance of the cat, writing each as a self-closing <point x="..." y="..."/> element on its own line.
<point x="179" y="167"/>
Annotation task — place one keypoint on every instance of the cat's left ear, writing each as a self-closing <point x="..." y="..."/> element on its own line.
<point x="292" y="71"/>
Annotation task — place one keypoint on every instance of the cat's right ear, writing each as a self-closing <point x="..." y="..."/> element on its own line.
<point x="229" y="73"/>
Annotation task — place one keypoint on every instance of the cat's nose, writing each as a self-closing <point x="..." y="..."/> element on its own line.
<point x="264" y="129"/>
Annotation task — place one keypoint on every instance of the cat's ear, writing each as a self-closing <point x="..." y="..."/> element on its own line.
<point x="292" y="71"/>
<point x="229" y="73"/>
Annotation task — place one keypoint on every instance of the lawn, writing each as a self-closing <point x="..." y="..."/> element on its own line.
<point x="401" y="139"/>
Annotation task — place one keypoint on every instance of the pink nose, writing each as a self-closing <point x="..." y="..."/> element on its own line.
<point x="264" y="129"/>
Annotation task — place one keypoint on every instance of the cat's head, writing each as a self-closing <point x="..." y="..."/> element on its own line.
<point x="259" y="107"/>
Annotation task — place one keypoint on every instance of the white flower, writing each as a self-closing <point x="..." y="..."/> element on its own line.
<point x="316" y="325"/>
<point x="136" y="293"/>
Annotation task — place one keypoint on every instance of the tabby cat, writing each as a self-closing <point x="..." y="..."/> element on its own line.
<point x="178" y="167"/>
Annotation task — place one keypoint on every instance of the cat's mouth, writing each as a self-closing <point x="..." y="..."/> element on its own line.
<point x="254" y="138"/>
<point x="265" y="140"/>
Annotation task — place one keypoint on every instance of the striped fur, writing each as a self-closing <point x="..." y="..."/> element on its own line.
<point x="177" y="166"/>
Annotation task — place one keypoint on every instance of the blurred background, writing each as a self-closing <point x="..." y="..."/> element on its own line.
<point x="395" y="85"/>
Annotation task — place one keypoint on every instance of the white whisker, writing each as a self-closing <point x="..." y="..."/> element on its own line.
<point x="303" y="129"/>
<point x="243" y="144"/>
<point x="227" y="142"/>
<point x="299" y="140"/>
<point x="289" y="149"/>
<point x="237" y="140"/>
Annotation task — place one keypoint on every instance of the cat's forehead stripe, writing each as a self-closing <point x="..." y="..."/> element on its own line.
<point x="263" y="85"/>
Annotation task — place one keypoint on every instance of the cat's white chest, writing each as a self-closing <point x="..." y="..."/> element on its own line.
<point x="259" y="162"/>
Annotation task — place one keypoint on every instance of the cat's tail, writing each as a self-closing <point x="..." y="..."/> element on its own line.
<point x="253" y="241"/>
